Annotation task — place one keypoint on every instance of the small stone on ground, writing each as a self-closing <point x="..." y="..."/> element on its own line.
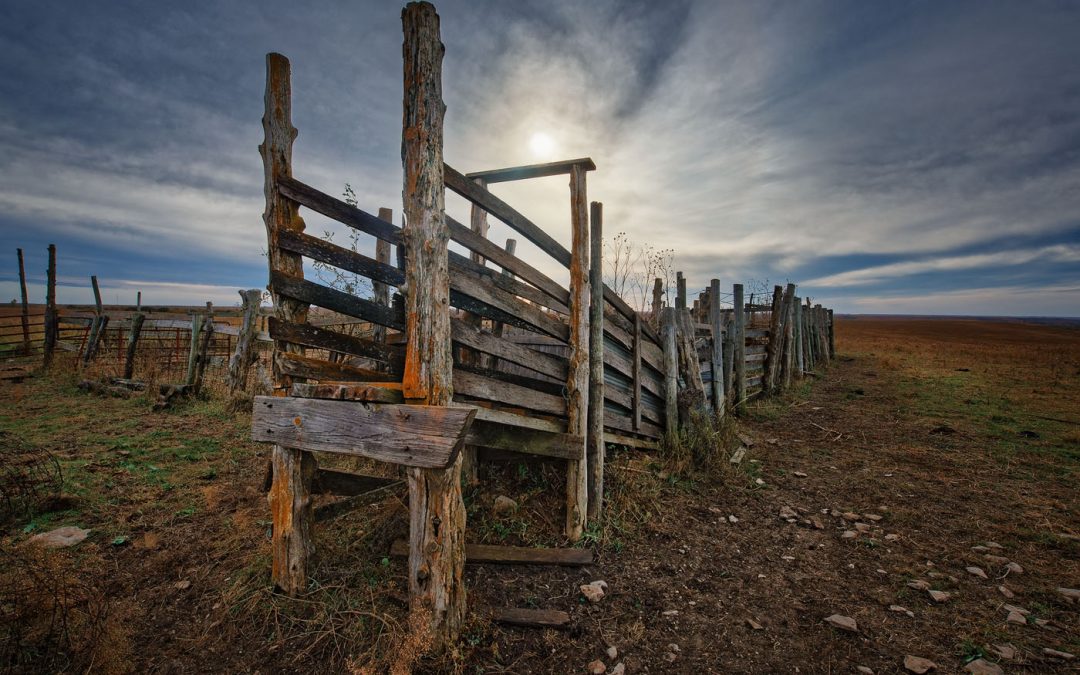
<point x="61" y="537"/>
<point x="597" y="667"/>
<point x="918" y="664"/>
<point x="842" y="622"/>
<point x="984" y="667"/>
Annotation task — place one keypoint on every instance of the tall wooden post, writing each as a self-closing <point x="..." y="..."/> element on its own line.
<point x="436" y="510"/>
<point x="98" y="326"/>
<point x="381" y="290"/>
<point x="25" y="305"/>
<point x="717" y="349"/>
<point x="787" y="358"/>
<point x="808" y="332"/>
<point x="657" y="299"/>
<point x="596" y="361"/>
<point x="832" y="334"/>
<point x="241" y="359"/>
<point x="479" y="224"/>
<point x="203" y="356"/>
<point x="293" y="470"/>
<point x="52" y="319"/>
<point x="133" y="344"/>
<point x="772" y="350"/>
<point x="671" y="371"/>
<point x="800" y="358"/>
<point x="739" y="339"/>
<point x="680" y="291"/>
<point x="577" y="383"/>
<point x="193" y="347"/>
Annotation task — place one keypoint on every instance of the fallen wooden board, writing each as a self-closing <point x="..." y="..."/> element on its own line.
<point x="411" y="435"/>
<point x="534" y="618"/>
<point x="513" y="555"/>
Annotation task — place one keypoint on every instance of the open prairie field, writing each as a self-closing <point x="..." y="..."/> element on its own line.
<point x="924" y="486"/>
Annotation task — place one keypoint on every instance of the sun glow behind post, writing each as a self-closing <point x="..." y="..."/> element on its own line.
<point x="542" y="145"/>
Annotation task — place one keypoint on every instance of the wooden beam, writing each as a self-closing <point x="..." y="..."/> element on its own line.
<point x="335" y="209"/>
<point x="133" y="343"/>
<point x="343" y="258"/>
<point x="410" y="435"/>
<point x="717" y="352"/>
<point x="671" y="371"/>
<point x="739" y="357"/>
<point x="490" y="389"/>
<point x="524" y="440"/>
<point x="321" y="338"/>
<point x="52" y="317"/>
<point x="305" y="367"/>
<point x="636" y="372"/>
<point x="596" y="362"/>
<point x="293" y="470"/>
<point x="300" y="289"/>
<point x="436" y="509"/>
<point x="513" y="555"/>
<point x="532" y="171"/>
<point x="577" y="383"/>
<point x="245" y="354"/>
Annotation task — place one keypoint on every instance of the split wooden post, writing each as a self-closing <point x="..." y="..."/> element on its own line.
<point x="381" y="291"/>
<point x="133" y="344"/>
<point x="729" y="357"/>
<point x="577" y="382"/>
<point x="97" y="328"/>
<point x="739" y="340"/>
<point x="203" y="356"/>
<point x="800" y="358"/>
<point x="657" y="299"/>
<point x="245" y="354"/>
<point x="680" y="291"/>
<point x="671" y="372"/>
<point x="596" y="362"/>
<point x="776" y="338"/>
<point x="193" y="349"/>
<point x="717" y="349"/>
<point x="692" y="398"/>
<point x="293" y="470"/>
<point x="436" y="509"/>
<point x="52" y="320"/>
<point x="25" y="305"/>
<point x="787" y="359"/>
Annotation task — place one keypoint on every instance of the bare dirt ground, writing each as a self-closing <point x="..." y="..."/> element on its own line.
<point x="935" y="437"/>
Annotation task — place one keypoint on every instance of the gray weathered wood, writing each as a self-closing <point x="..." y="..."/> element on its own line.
<point x="52" y="318"/>
<point x="577" y="383"/>
<point x="321" y="338"/>
<point x="800" y="357"/>
<point x="680" y="291"/>
<point x="133" y="344"/>
<point x="717" y="352"/>
<point x="739" y="358"/>
<point x="25" y="305"/>
<point x="380" y="289"/>
<point x="671" y="371"/>
<point x="245" y="354"/>
<point x="335" y="209"/>
<point x="531" y="171"/>
<point x="204" y="349"/>
<point x="530" y="618"/>
<point x="305" y="367"/>
<point x="657" y="298"/>
<point x="635" y="374"/>
<point x="410" y="435"/>
<point x="596" y="363"/>
<point x="772" y="364"/>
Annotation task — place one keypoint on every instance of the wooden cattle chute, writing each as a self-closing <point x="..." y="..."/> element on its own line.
<point x="467" y="359"/>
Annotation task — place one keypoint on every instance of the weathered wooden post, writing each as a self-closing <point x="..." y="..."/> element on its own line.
<point x="203" y="356"/>
<point x="381" y="291"/>
<point x="245" y="354"/>
<point x="596" y="361"/>
<point x="193" y="348"/>
<point x="808" y="332"/>
<point x="680" y="291"/>
<point x="52" y="320"/>
<point x="789" y="336"/>
<point x="97" y="329"/>
<point x="25" y="305"/>
<point x="773" y="348"/>
<point x="692" y="398"/>
<point x="293" y="470"/>
<point x="800" y="358"/>
<point x="436" y="510"/>
<point x="577" y="383"/>
<point x="133" y="344"/>
<point x="717" y="349"/>
<point x="657" y="299"/>
<point x="832" y="334"/>
<point x="671" y="371"/>
<point x="739" y="339"/>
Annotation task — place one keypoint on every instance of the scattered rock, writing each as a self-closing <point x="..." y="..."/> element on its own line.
<point x="849" y="534"/>
<point x="754" y="624"/>
<point x="670" y="657"/>
<point x="996" y="559"/>
<point x="918" y="664"/>
<point x="901" y="610"/>
<point x="183" y="585"/>
<point x="850" y="515"/>
<point x="1058" y="655"/>
<point x="864" y="670"/>
<point x="1015" y="568"/>
<point x="732" y="519"/>
<point x="1005" y="651"/>
<point x="594" y="591"/>
<point x="1004" y="590"/>
<point x="862" y="527"/>
<point x="980" y="549"/>
<point x="939" y="596"/>
<point x="1018" y="610"/>
<point x="670" y="612"/>
<point x="842" y="622"/>
<point x="504" y="505"/>
<point x="1042" y="623"/>
<point x="919" y="585"/>
<point x="672" y="647"/>
<point x="746" y="440"/>
<point x="738" y="456"/>
<point x="619" y="669"/>
<point x="613" y="652"/>
<point x="984" y="667"/>
<point x="61" y="537"/>
<point x="873" y="517"/>
<point x="1017" y="618"/>
<point x="787" y="513"/>
<point x="597" y="667"/>
<point x="994" y="544"/>
<point x="1072" y="595"/>
<point x="891" y="537"/>
<point x="759" y="481"/>
<point x="800" y="474"/>
<point x="976" y="571"/>
<point x="815" y="521"/>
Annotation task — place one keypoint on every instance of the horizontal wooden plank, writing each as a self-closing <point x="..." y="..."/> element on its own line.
<point x="530" y="618"/>
<point x="532" y="170"/>
<point x="372" y="392"/>
<point x="512" y="555"/>
<point x="630" y="441"/>
<point x="320" y="338"/>
<point x="496" y="254"/>
<point x="489" y="202"/>
<point x="524" y="315"/>
<point x="297" y="365"/>
<point x="346" y="484"/>
<point x="411" y="435"/>
<point x="335" y="300"/>
<point x="483" y="341"/>
<point x="459" y="264"/>
<point x="623" y="423"/>
<point x="525" y="440"/>
<point x="489" y="389"/>
<point x="342" y="258"/>
<point x="338" y="210"/>
<point x="518" y="420"/>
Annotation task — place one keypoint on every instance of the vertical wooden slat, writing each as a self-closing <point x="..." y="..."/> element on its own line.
<point x="381" y="291"/>
<point x="739" y="341"/>
<point x="671" y="371"/>
<point x="293" y="470"/>
<point x="772" y="349"/>
<point x="637" y="371"/>
<point x="717" y="349"/>
<point x="800" y="358"/>
<point x="787" y="322"/>
<point x="577" y="383"/>
<point x="596" y="361"/>
<point x="193" y="347"/>
<point x="436" y="510"/>
<point x="25" y="305"/>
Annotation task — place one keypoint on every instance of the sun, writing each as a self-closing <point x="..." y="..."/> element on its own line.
<point x="542" y="145"/>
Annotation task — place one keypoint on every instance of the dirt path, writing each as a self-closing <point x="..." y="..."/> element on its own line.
<point x="682" y="595"/>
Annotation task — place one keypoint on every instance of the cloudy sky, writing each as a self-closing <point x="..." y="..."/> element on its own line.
<point x="891" y="157"/>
